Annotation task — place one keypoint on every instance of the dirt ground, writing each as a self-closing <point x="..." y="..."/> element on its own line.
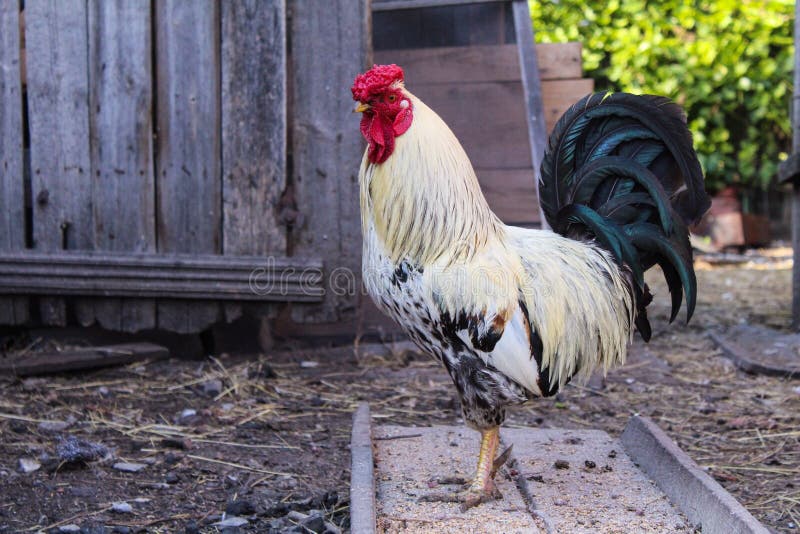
<point x="264" y="438"/>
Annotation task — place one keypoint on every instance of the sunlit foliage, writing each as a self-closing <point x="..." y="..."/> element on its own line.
<point x="729" y="63"/>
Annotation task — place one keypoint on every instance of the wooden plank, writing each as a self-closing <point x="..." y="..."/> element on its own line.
<point x="81" y="358"/>
<point x="533" y="90"/>
<point x="188" y="146"/>
<point x="328" y="52"/>
<point x="482" y="63"/>
<point x="13" y="310"/>
<point x="466" y="24"/>
<point x="253" y="126"/>
<point x="511" y="194"/>
<point x="56" y="40"/>
<point x="559" y="61"/>
<point x="123" y="189"/>
<point x="455" y="64"/>
<point x="487" y="118"/>
<point x="559" y="95"/>
<point x="205" y="277"/>
<point x="393" y="5"/>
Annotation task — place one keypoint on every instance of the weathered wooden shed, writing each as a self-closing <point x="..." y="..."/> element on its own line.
<point x="172" y="164"/>
<point x="166" y="164"/>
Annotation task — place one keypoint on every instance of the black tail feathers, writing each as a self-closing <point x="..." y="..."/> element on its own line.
<point x="621" y="169"/>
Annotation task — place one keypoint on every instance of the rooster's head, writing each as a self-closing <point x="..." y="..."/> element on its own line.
<point x="386" y="107"/>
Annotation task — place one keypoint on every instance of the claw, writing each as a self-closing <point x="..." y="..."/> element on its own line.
<point x="482" y="489"/>
<point x="501" y="460"/>
<point x="468" y="498"/>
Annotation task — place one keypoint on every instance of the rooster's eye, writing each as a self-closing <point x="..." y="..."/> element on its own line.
<point x="392" y="98"/>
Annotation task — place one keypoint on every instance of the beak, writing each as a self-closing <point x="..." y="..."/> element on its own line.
<point x="361" y="107"/>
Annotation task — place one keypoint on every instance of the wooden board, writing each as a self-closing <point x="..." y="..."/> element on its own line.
<point x="188" y="148"/>
<point x="253" y="126"/>
<point x="559" y="61"/>
<point x="81" y="358"/>
<point x="396" y="26"/>
<point x="511" y="194"/>
<point x="559" y="95"/>
<point x="533" y="90"/>
<point x="123" y="189"/>
<point x="327" y="53"/>
<point x="482" y="63"/>
<point x="196" y="276"/>
<point x="58" y="96"/>
<point x="13" y="310"/>
<point x="488" y="119"/>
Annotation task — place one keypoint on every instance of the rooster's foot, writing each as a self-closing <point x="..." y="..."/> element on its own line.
<point x="470" y="497"/>
<point x="481" y="490"/>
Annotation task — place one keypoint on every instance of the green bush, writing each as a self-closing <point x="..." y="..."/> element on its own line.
<point x="729" y="63"/>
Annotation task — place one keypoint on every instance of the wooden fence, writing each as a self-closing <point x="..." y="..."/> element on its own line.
<point x="159" y="159"/>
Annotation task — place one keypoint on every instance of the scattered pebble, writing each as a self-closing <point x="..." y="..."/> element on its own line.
<point x="69" y="528"/>
<point x="187" y="413"/>
<point x="308" y="364"/>
<point x="121" y="508"/>
<point x="232" y="521"/>
<point x="212" y="388"/>
<point x="191" y="528"/>
<point x="57" y="426"/>
<point x="129" y="467"/>
<point x="612" y="454"/>
<point x="561" y="464"/>
<point x="103" y="391"/>
<point x="589" y="464"/>
<point x="171" y="478"/>
<point x="560" y="502"/>
<point x="28" y="465"/>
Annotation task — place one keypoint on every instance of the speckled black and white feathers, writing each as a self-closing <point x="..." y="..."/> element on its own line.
<point x="511" y="313"/>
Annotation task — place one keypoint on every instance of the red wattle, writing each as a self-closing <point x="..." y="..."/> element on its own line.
<point x="380" y="132"/>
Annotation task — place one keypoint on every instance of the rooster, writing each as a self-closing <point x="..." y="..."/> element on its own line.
<point x="512" y="313"/>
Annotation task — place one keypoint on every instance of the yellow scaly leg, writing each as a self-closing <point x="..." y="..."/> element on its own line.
<point x="482" y="488"/>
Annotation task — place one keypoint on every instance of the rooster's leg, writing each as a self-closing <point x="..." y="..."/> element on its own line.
<point x="482" y="488"/>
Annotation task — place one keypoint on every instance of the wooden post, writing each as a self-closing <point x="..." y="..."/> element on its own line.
<point x="330" y="46"/>
<point x="13" y="310"/>
<point x="529" y="65"/>
<point x="58" y="113"/>
<point x="188" y="187"/>
<point x="796" y="185"/>
<point x="120" y="126"/>
<point x="253" y="132"/>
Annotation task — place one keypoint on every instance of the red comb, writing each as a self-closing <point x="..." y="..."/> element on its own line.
<point x="375" y="81"/>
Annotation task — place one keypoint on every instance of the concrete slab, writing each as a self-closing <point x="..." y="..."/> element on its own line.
<point x="557" y="481"/>
<point x="582" y="481"/>
<point x="408" y="459"/>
